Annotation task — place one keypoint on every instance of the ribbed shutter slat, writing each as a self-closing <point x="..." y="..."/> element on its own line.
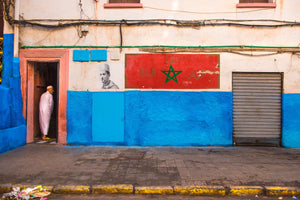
<point x="257" y="107"/>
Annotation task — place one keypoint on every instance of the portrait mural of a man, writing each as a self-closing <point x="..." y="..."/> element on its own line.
<point x="105" y="77"/>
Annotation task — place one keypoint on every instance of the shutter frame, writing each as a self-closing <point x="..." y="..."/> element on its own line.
<point x="257" y="99"/>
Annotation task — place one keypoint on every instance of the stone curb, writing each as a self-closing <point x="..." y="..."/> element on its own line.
<point x="71" y="189"/>
<point x="200" y="190"/>
<point x="5" y="188"/>
<point x="246" y="190"/>
<point x="282" y="191"/>
<point x="112" y="189"/>
<point x="166" y="190"/>
<point x="154" y="190"/>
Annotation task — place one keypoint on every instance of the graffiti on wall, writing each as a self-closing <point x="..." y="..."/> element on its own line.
<point x="172" y="71"/>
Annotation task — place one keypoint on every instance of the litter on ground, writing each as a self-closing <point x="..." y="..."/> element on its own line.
<point x="37" y="192"/>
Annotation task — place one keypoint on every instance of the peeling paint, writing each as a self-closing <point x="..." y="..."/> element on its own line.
<point x="207" y="72"/>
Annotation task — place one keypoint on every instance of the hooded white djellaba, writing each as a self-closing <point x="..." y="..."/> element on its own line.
<point x="45" y="111"/>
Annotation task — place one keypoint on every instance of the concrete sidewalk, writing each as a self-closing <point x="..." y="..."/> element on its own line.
<point x="171" y="169"/>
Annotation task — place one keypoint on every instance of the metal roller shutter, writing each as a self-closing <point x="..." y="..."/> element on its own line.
<point x="257" y="108"/>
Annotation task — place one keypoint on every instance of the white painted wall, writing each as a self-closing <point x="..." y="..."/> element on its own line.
<point x="85" y="76"/>
<point x="155" y="9"/>
<point x="87" y="72"/>
<point x="7" y="29"/>
<point x="287" y="63"/>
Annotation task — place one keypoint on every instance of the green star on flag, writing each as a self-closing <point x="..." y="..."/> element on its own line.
<point x="173" y="77"/>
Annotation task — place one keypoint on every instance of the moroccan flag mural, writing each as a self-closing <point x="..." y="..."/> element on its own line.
<point x="172" y="71"/>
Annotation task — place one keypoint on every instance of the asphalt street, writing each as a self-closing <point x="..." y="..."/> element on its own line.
<point x="48" y="164"/>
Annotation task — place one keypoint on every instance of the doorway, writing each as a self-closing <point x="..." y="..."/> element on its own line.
<point x="45" y="74"/>
<point x="28" y="58"/>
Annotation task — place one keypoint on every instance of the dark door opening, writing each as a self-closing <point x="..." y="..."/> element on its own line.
<point x="45" y="74"/>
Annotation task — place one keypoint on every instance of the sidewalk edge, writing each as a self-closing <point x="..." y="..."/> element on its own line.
<point x="168" y="190"/>
<point x="282" y="191"/>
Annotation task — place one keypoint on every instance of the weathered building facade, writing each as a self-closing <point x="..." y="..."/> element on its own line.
<point x="204" y="73"/>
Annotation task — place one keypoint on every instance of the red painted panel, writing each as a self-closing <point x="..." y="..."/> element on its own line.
<point x="172" y="71"/>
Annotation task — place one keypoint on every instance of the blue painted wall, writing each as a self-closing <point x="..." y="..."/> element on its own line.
<point x="150" y="118"/>
<point x="108" y="117"/>
<point x="16" y="95"/>
<point x="12" y="125"/>
<point x="12" y="138"/>
<point x="291" y="120"/>
<point x="178" y="118"/>
<point x="4" y="108"/>
<point x="99" y="55"/>
<point x="164" y="118"/>
<point x="79" y="117"/>
<point x="8" y="55"/>
<point x="81" y="55"/>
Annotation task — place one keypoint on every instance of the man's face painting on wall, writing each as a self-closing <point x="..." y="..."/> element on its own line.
<point x="104" y="76"/>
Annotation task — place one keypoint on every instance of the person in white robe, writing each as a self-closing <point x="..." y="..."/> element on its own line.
<point x="45" y="111"/>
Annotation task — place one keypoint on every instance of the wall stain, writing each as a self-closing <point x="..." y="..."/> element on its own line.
<point x="281" y="7"/>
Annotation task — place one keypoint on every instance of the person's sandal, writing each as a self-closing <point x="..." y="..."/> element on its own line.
<point x="45" y="138"/>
